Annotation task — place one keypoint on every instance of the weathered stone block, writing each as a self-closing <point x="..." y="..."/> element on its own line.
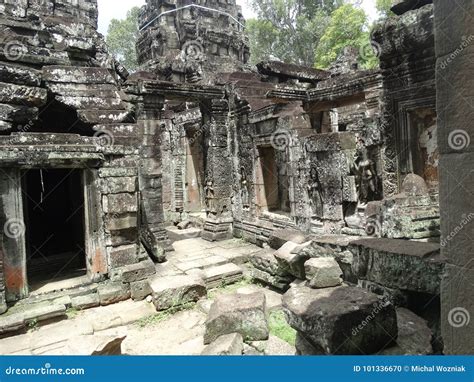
<point x="238" y="313"/>
<point x="85" y="302"/>
<point x="359" y="323"/>
<point x="399" y="264"/>
<point x="117" y="185"/>
<point x="221" y="275"/>
<point x="291" y="258"/>
<point x="140" y="290"/>
<point x="323" y="273"/>
<point x="134" y="272"/>
<point x="118" y="203"/>
<point x="123" y="256"/>
<point x="414" y="335"/>
<point x="278" y="282"/>
<point x="278" y="238"/>
<point x="80" y="75"/>
<point x="22" y="95"/>
<point x="229" y="344"/>
<point x="112" y="293"/>
<point x="174" y="291"/>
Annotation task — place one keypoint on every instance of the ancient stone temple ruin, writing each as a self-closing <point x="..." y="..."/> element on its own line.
<point x="317" y="188"/>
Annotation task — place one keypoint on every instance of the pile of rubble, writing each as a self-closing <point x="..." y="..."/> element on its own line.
<point x="351" y="296"/>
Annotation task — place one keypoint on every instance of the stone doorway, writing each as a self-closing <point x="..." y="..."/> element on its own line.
<point x="194" y="172"/>
<point x="424" y="153"/>
<point x="272" y="182"/>
<point x="53" y="201"/>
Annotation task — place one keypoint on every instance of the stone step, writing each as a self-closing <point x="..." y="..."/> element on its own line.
<point x="201" y="263"/>
<point x="220" y="275"/>
<point x="17" y="321"/>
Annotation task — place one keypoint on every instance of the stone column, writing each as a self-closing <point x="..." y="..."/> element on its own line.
<point x="454" y="34"/>
<point x="152" y="232"/>
<point x="219" y="173"/>
<point x="13" y="282"/>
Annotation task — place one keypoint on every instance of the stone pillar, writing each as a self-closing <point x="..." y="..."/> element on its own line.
<point x="14" y="283"/>
<point x="152" y="232"/>
<point x="454" y="34"/>
<point x="219" y="173"/>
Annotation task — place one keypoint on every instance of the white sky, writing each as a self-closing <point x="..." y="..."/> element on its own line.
<point x="115" y="9"/>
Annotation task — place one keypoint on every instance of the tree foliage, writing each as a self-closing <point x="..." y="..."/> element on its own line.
<point x="122" y="36"/>
<point x="349" y="26"/>
<point x="288" y="30"/>
<point x="383" y="8"/>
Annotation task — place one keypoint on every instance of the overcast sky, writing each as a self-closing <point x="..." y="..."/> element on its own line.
<point x="117" y="9"/>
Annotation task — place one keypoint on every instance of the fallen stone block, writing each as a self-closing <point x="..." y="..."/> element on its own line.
<point x="414" y="335"/>
<point x="399" y="264"/>
<point x="85" y="302"/>
<point x="291" y="258"/>
<point x="112" y="293"/>
<point x="278" y="282"/>
<point x="304" y="347"/>
<point x="184" y="225"/>
<point x="323" y="273"/>
<point x="342" y="320"/>
<point x="140" y="290"/>
<point x="265" y="260"/>
<point x="280" y="237"/>
<point x="238" y="313"/>
<point x="229" y="344"/>
<point x="173" y="291"/>
<point x="221" y="275"/>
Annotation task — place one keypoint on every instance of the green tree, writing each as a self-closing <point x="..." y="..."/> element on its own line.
<point x="349" y="26"/>
<point x="122" y="36"/>
<point x="383" y="8"/>
<point x="288" y="30"/>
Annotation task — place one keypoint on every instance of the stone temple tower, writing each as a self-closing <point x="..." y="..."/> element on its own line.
<point x="192" y="40"/>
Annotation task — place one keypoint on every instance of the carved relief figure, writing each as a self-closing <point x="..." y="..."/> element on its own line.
<point x="210" y="198"/>
<point x="244" y="190"/>
<point x="314" y="192"/>
<point x="364" y="171"/>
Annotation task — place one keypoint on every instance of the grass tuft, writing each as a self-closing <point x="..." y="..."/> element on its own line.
<point x="161" y="316"/>
<point x="280" y="328"/>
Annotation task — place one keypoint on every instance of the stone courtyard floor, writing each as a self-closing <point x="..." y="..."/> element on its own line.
<point x="148" y="332"/>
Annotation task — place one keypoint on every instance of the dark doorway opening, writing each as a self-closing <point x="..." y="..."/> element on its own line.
<point x="55" y="228"/>
<point x="272" y="182"/>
